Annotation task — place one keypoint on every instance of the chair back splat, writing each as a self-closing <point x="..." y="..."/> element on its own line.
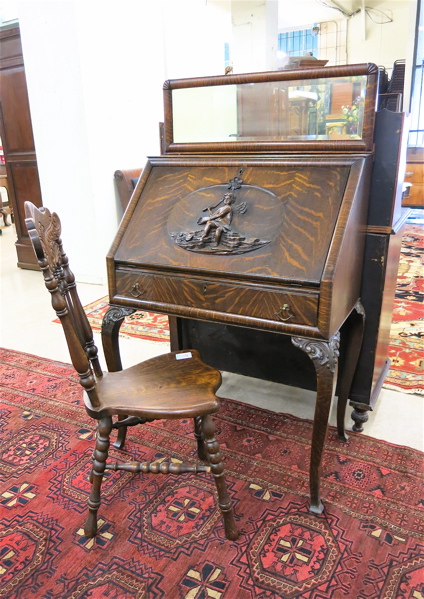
<point x="45" y="230"/>
<point x="174" y="385"/>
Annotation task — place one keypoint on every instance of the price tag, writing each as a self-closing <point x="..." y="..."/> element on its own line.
<point x="184" y="356"/>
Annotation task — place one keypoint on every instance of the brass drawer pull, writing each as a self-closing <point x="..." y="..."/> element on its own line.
<point x="284" y="313"/>
<point x="136" y="290"/>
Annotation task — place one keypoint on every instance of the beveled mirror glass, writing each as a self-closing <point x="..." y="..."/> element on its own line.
<point x="325" y="109"/>
<point x="314" y="109"/>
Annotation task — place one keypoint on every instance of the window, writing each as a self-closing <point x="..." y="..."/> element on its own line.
<point x="416" y="131"/>
<point x="298" y="43"/>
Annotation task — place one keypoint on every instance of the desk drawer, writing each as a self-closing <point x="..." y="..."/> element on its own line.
<point x="244" y="300"/>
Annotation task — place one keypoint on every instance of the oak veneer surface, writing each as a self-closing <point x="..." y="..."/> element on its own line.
<point x="292" y="207"/>
<point x="297" y="270"/>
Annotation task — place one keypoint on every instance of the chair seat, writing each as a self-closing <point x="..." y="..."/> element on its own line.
<point x="174" y="385"/>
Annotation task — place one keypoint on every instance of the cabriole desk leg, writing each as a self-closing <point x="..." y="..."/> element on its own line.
<point x="324" y="355"/>
<point x="111" y="324"/>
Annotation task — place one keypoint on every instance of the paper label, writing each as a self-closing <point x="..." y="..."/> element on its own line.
<point x="184" y="356"/>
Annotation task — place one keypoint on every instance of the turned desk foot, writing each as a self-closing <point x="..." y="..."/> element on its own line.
<point x="324" y="355"/>
<point x="359" y="417"/>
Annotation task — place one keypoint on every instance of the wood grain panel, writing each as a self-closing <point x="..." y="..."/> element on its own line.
<point x="24" y="175"/>
<point x="231" y="299"/>
<point x="15" y="111"/>
<point x="18" y="140"/>
<point x="308" y="201"/>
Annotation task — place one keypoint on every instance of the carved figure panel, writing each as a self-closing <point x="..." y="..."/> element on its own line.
<point x="226" y="219"/>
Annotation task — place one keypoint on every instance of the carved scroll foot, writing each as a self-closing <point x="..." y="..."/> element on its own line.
<point x="360" y="417"/>
<point x="324" y="355"/>
<point x="111" y="324"/>
<point x="355" y="332"/>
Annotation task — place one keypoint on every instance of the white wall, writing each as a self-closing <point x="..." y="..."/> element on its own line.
<point x="383" y="43"/>
<point x="194" y="33"/>
<point x="96" y="100"/>
<point x="255" y="35"/>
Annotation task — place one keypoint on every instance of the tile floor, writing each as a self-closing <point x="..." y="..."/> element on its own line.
<point x="26" y="325"/>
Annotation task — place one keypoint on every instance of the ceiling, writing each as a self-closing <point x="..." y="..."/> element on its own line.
<point x="305" y="12"/>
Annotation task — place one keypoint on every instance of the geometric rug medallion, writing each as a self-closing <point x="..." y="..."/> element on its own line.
<point x="292" y="554"/>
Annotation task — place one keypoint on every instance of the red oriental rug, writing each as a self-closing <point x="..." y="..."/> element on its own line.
<point x="407" y="331"/>
<point x="162" y="537"/>
<point x="141" y="324"/>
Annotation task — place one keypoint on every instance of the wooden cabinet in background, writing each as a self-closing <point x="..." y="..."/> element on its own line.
<point x="18" y="140"/>
<point x="414" y="195"/>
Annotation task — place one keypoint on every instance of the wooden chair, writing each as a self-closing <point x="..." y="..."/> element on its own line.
<point x="175" y="385"/>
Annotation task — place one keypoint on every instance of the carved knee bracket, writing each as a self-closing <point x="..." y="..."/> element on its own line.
<point x="323" y="352"/>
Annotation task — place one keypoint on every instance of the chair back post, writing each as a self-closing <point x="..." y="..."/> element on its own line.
<point x="44" y="231"/>
<point x="77" y="313"/>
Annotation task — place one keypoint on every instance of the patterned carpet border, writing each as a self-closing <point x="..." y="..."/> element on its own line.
<point x="407" y="331"/>
<point x="162" y="537"/>
<point x="142" y="325"/>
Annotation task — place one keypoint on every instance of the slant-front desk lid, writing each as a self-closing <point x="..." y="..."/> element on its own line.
<point x="246" y="218"/>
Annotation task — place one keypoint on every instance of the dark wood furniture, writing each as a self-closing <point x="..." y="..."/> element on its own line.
<point x="414" y="196"/>
<point x="125" y="181"/>
<point x="17" y="138"/>
<point x="172" y="386"/>
<point x="265" y="233"/>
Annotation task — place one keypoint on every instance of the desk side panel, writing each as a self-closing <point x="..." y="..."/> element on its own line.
<point x="340" y="289"/>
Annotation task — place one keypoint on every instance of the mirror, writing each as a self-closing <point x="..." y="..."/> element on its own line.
<point x="324" y="109"/>
<point x="321" y="109"/>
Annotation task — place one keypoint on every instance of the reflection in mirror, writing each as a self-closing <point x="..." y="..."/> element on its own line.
<point x="314" y="109"/>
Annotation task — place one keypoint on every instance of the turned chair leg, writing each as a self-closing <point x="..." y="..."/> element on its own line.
<point x="217" y="468"/>
<point x="201" y="449"/>
<point x="100" y="456"/>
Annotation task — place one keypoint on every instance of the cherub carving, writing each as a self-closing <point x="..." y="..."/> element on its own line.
<point x="217" y="235"/>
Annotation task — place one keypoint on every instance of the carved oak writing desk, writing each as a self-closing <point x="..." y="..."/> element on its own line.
<point x="262" y="226"/>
